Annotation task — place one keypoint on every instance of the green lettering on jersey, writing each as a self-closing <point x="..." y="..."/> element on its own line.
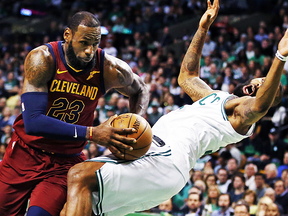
<point x="201" y="102"/>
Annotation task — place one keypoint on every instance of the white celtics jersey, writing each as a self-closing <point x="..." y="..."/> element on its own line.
<point x="197" y="129"/>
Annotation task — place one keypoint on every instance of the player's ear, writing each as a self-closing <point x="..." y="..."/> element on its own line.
<point x="67" y="35"/>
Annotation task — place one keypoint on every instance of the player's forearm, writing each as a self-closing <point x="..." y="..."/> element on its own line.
<point x="190" y="66"/>
<point x="138" y="103"/>
<point x="38" y="124"/>
<point x="138" y="94"/>
<point x="266" y="93"/>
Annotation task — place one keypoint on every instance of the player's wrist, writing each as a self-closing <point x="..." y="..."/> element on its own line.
<point x="280" y="56"/>
<point x="89" y="133"/>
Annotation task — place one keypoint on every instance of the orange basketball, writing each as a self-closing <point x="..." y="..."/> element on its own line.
<point x="143" y="134"/>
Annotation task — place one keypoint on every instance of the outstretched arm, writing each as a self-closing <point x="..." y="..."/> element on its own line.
<point x="119" y="75"/>
<point x="189" y="73"/>
<point x="254" y="108"/>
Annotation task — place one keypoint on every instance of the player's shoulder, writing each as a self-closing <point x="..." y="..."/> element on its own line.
<point x="115" y="66"/>
<point x="41" y="53"/>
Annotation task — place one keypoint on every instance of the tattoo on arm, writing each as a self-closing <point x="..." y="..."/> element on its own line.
<point x="194" y="52"/>
<point x="38" y="72"/>
<point x="195" y="88"/>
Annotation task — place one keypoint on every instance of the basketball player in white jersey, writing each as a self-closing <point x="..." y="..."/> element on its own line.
<point x="113" y="187"/>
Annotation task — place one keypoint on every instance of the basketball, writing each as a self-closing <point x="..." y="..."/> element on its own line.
<point x="143" y="135"/>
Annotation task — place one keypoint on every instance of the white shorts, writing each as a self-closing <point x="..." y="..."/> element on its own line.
<point x="126" y="187"/>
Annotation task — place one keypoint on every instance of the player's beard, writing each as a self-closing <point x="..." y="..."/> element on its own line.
<point x="75" y="62"/>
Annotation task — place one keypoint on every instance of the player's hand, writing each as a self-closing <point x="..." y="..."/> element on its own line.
<point x="283" y="44"/>
<point x="110" y="137"/>
<point x="210" y="15"/>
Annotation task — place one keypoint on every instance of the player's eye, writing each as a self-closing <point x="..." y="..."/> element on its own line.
<point x="84" y="43"/>
<point x="95" y="44"/>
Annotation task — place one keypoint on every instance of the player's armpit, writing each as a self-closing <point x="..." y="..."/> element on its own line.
<point x="195" y="88"/>
<point x="38" y="67"/>
<point x="248" y="112"/>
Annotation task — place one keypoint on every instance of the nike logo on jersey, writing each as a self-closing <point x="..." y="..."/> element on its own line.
<point x="75" y="135"/>
<point x="60" y="72"/>
<point x="92" y="74"/>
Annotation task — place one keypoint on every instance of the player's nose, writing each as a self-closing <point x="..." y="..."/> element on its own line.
<point x="89" y="51"/>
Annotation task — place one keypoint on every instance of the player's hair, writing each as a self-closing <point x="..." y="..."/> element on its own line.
<point x="84" y="18"/>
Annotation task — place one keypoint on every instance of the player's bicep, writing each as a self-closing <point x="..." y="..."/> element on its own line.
<point x="38" y="69"/>
<point x="117" y="73"/>
<point x="195" y="88"/>
<point x="136" y="86"/>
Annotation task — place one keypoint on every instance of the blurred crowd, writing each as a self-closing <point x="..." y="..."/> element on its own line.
<point x="254" y="171"/>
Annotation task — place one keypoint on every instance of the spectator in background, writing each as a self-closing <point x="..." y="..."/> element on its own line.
<point x="170" y="104"/>
<point x="193" y="205"/>
<point x="122" y="106"/>
<point x="262" y="205"/>
<point x="242" y="208"/>
<point x="2" y="150"/>
<point x="260" y="185"/>
<point x="102" y="109"/>
<point x="261" y="35"/>
<point x="209" y="46"/>
<point x="213" y="74"/>
<point x="270" y="192"/>
<point x="155" y="114"/>
<point x="266" y="48"/>
<point x="205" y="69"/>
<point x="273" y="149"/>
<point x="238" y="187"/>
<point x="250" y="197"/>
<point x="245" y="75"/>
<point x="12" y="84"/>
<point x="228" y="78"/>
<point x="271" y="174"/>
<point x="166" y="38"/>
<point x="284" y="165"/>
<point x="232" y="167"/>
<point x="7" y="133"/>
<point x="223" y="181"/>
<point x="3" y="92"/>
<point x="250" y="170"/>
<point x="250" y="50"/>
<point x="93" y="149"/>
<point x="7" y="118"/>
<point x="281" y="195"/>
<point x="211" y="203"/>
<point x="224" y="204"/>
<point x="272" y="210"/>
<point x="109" y="48"/>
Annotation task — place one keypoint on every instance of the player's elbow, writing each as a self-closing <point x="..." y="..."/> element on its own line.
<point x="30" y="129"/>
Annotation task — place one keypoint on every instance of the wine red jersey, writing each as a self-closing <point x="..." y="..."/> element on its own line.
<point x="72" y="98"/>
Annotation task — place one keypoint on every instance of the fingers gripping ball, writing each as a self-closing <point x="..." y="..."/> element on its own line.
<point x="143" y="134"/>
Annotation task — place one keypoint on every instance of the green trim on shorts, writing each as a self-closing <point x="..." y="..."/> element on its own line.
<point x="100" y="192"/>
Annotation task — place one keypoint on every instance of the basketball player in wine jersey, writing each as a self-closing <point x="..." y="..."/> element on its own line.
<point x="63" y="82"/>
<point x="214" y="120"/>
